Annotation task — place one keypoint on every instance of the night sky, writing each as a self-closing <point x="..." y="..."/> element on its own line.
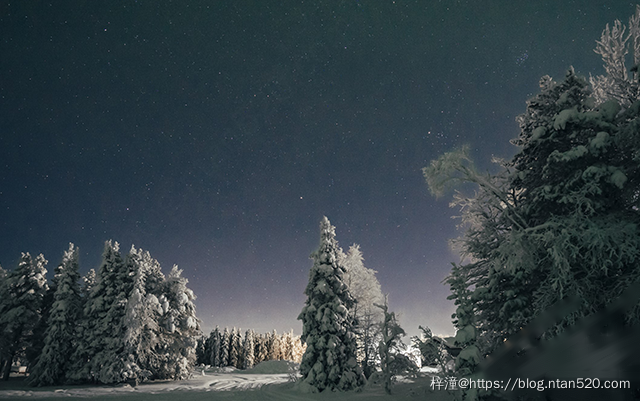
<point x="216" y="134"/>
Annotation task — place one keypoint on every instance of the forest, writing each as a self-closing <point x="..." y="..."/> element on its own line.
<point x="550" y="256"/>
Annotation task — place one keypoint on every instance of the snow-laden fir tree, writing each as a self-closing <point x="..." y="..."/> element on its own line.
<point x="142" y="316"/>
<point x="261" y="352"/>
<point x="238" y="345"/>
<point x="247" y="350"/>
<point x="181" y="327"/>
<point x="274" y="346"/>
<point x="20" y="307"/>
<point x="36" y="340"/>
<point x="59" y="340"/>
<point x="367" y="292"/>
<point x="467" y="361"/>
<point x="287" y="346"/>
<point x="215" y="340"/>
<point x="234" y="351"/>
<point x="100" y="354"/>
<point x="224" y="348"/>
<point x="203" y="351"/>
<point x="329" y="362"/>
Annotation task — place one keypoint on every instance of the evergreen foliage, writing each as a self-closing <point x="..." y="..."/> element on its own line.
<point x="247" y="360"/>
<point x="234" y="349"/>
<point x="88" y="281"/>
<point x="100" y="354"/>
<point x="142" y="316"/>
<point x="560" y="219"/>
<point x="261" y="352"/>
<point x="181" y="327"/>
<point x="224" y="348"/>
<point x="329" y="361"/>
<point x="59" y="341"/>
<point x="126" y="323"/>
<point x="21" y="307"/>
<point x="215" y="340"/>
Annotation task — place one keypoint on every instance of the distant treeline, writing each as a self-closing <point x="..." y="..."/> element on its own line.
<point x="230" y="348"/>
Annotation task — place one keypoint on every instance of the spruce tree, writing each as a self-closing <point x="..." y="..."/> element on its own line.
<point x="224" y="348"/>
<point x="247" y="350"/>
<point x="59" y="340"/>
<point x="215" y="339"/>
<point x="261" y="352"/>
<point x="100" y="353"/>
<point x="329" y="361"/>
<point x="234" y="348"/>
<point x="287" y="346"/>
<point x="20" y="309"/>
<point x="142" y="316"/>
<point x="273" y="346"/>
<point x="181" y="327"/>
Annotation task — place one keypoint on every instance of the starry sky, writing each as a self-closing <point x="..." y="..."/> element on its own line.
<point x="216" y="134"/>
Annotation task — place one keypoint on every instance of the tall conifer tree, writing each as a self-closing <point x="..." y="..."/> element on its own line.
<point x="329" y="361"/>
<point x="59" y="340"/>
<point x="20" y="310"/>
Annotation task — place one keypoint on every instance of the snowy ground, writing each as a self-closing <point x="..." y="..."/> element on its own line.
<point x="263" y="383"/>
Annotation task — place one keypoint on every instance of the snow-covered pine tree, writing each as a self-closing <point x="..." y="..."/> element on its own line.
<point x="142" y="315"/>
<point x="261" y="352"/>
<point x="36" y="339"/>
<point x="367" y="292"/>
<point x="60" y="335"/>
<point x="99" y="355"/>
<point x="224" y="348"/>
<point x="203" y="351"/>
<point x="329" y="361"/>
<point x="247" y="350"/>
<point x="215" y="339"/>
<point x="233" y="347"/>
<point x="25" y="288"/>
<point x="467" y="361"/>
<point x="274" y="346"/>
<point x="287" y="346"/>
<point x="181" y="327"/>
<point x="239" y="347"/>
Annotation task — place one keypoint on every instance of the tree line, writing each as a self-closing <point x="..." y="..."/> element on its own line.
<point x="230" y="348"/>
<point x="125" y="322"/>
